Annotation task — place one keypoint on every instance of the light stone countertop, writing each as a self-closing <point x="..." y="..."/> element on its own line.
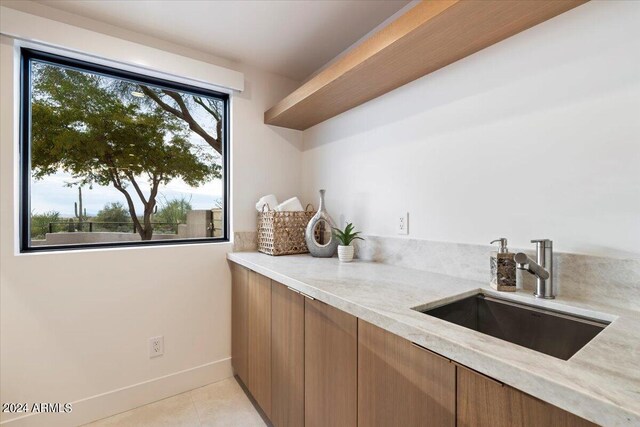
<point x="600" y="383"/>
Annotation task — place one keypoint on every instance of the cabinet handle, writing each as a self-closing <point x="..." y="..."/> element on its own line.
<point x="307" y="296"/>
<point x="301" y="293"/>
<point x="431" y="352"/>
<point x="493" y="380"/>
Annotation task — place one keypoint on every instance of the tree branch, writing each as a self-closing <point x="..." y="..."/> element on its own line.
<point x="137" y="187"/>
<point x="183" y="114"/>
<point x="155" y="184"/>
<point x="115" y="180"/>
<point x="151" y="94"/>
<point x="186" y="115"/>
<point x="148" y="210"/>
<point x="210" y="110"/>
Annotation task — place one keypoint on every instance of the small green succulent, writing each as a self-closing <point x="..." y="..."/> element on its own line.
<point x="346" y="236"/>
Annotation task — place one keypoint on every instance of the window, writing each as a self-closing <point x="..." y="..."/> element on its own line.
<point x="113" y="158"/>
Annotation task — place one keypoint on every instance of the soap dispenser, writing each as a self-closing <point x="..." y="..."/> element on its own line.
<point x="503" y="268"/>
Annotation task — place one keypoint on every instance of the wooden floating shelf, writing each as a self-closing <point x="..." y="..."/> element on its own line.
<point x="431" y="35"/>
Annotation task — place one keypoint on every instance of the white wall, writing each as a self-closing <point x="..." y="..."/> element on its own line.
<point x="75" y="325"/>
<point x="537" y="136"/>
<point x="267" y="159"/>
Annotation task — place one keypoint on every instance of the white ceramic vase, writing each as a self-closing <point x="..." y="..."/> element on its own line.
<point x="345" y="253"/>
<point x="326" y="250"/>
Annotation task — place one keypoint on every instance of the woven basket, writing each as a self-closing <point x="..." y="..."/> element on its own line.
<point x="282" y="233"/>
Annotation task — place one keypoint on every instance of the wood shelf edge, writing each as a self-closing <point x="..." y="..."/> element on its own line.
<point x="401" y="27"/>
<point x="420" y="29"/>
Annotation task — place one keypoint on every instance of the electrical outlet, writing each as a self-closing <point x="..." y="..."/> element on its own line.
<point x="403" y="223"/>
<point x="156" y="346"/>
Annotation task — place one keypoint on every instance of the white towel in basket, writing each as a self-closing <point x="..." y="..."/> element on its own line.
<point x="269" y="200"/>
<point x="292" y="204"/>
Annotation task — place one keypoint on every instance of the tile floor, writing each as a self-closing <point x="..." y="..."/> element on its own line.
<point x="221" y="404"/>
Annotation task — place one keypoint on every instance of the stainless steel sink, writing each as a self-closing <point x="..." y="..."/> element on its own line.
<point x="551" y="332"/>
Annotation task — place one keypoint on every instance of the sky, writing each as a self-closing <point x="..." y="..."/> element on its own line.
<point x="52" y="193"/>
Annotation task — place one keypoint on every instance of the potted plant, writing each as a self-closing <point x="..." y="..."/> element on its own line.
<point x="345" y="238"/>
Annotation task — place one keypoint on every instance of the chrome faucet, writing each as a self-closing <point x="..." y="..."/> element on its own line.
<point x="542" y="269"/>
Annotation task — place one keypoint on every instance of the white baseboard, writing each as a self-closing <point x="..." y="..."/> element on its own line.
<point x="130" y="397"/>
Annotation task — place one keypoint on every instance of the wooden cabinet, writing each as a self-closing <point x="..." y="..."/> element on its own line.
<point x="309" y="364"/>
<point x="287" y="357"/>
<point x="239" y="320"/>
<point x="259" y="340"/>
<point x="267" y="344"/>
<point x="483" y="401"/>
<point x="330" y="366"/>
<point x="402" y="384"/>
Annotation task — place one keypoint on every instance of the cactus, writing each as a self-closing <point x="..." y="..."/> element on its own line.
<point x="79" y="213"/>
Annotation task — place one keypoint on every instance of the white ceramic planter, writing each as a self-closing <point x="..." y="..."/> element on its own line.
<point x="345" y="253"/>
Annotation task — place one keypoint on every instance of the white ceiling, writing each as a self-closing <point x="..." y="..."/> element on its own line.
<point x="290" y="38"/>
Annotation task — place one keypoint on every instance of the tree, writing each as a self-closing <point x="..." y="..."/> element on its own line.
<point x="181" y="106"/>
<point x="40" y="223"/>
<point x="174" y="211"/>
<point x="83" y="125"/>
<point x="115" y="215"/>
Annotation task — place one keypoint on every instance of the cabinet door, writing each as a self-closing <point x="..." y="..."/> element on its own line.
<point x="485" y="402"/>
<point x="259" y="342"/>
<point x="239" y="320"/>
<point x="402" y="384"/>
<point x="287" y="357"/>
<point x="330" y="366"/>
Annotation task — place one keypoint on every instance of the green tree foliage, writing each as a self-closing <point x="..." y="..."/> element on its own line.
<point x="83" y="125"/>
<point x="113" y="217"/>
<point x="174" y="211"/>
<point x="40" y="223"/>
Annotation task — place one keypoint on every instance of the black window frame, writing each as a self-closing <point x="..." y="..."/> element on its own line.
<point x="27" y="55"/>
